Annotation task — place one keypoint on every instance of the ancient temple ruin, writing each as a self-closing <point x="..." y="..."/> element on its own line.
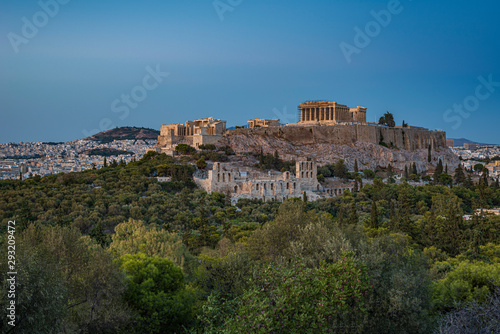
<point x="330" y="113"/>
<point x="195" y="133"/>
<point x="250" y="183"/>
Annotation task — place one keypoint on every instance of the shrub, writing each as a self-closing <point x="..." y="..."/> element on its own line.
<point x="185" y="149"/>
<point x="469" y="281"/>
<point x="327" y="299"/>
<point x="156" y="291"/>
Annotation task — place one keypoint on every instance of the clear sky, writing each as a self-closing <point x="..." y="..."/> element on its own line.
<point x="70" y="68"/>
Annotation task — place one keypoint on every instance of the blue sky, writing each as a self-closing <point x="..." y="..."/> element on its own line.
<point x="236" y="60"/>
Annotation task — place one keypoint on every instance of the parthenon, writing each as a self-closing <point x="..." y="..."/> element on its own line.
<point x="330" y="112"/>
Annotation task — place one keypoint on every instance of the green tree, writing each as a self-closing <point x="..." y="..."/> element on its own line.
<point x="414" y="169"/>
<point x="277" y="160"/>
<point x="134" y="237"/>
<point x="400" y="301"/>
<point x="467" y="282"/>
<point x="469" y="184"/>
<point x="185" y="149"/>
<point x="157" y="292"/>
<point x="66" y="283"/>
<point x="392" y="213"/>
<point x="387" y="119"/>
<point x="374" y="221"/>
<point x="478" y="167"/>
<point x="273" y="239"/>
<point x="369" y="174"/>
<point x="438" y="171"/>
<point x="279" y="302"/>
<point x="450" y="235"/>
<point x="340" y="169"/>
<point x="201" y="164"/>
<point x="459" y="176"/>
<point x="353" y="217"/>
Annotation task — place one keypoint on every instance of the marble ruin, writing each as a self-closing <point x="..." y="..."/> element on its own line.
<point x="250" y="183"/>
<point x="262" y="123"/>
<point x="330" y="112"/>
<point x="195" y="133"/>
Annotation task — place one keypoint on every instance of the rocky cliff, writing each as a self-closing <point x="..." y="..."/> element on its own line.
<point x="326" y="144"/>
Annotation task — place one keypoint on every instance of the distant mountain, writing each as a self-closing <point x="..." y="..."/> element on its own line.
<point x="462" y="141"/>
<point x="106" y="152"/>
<point x="124" y="133"/>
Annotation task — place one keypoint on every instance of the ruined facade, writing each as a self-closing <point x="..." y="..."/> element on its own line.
<point x="262" y="123"/>
<point x="330" y="112"/>
<point x="245" y="182"/>
<point x="195" y="133"/>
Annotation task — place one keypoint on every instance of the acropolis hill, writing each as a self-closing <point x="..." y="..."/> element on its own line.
<point x="326" y="131"/>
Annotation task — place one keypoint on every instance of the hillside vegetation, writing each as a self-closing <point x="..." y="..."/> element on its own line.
<point x="113" y="251"/>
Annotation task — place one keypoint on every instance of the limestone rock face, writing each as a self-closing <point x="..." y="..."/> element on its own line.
<point x="369" y="155"/>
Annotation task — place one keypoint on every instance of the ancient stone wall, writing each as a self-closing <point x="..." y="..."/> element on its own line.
<point x="410" y="138"/>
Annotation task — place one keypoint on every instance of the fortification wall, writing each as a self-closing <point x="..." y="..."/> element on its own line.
<point x="403" y="138"/>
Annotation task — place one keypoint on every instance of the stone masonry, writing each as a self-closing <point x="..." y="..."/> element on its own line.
<point x="250" y="183"/>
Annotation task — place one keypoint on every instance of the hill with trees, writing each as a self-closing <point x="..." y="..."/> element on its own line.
<point x="124" y="133"/>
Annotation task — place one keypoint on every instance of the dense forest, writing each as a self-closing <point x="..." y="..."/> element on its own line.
<point x="114" y="251"/>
